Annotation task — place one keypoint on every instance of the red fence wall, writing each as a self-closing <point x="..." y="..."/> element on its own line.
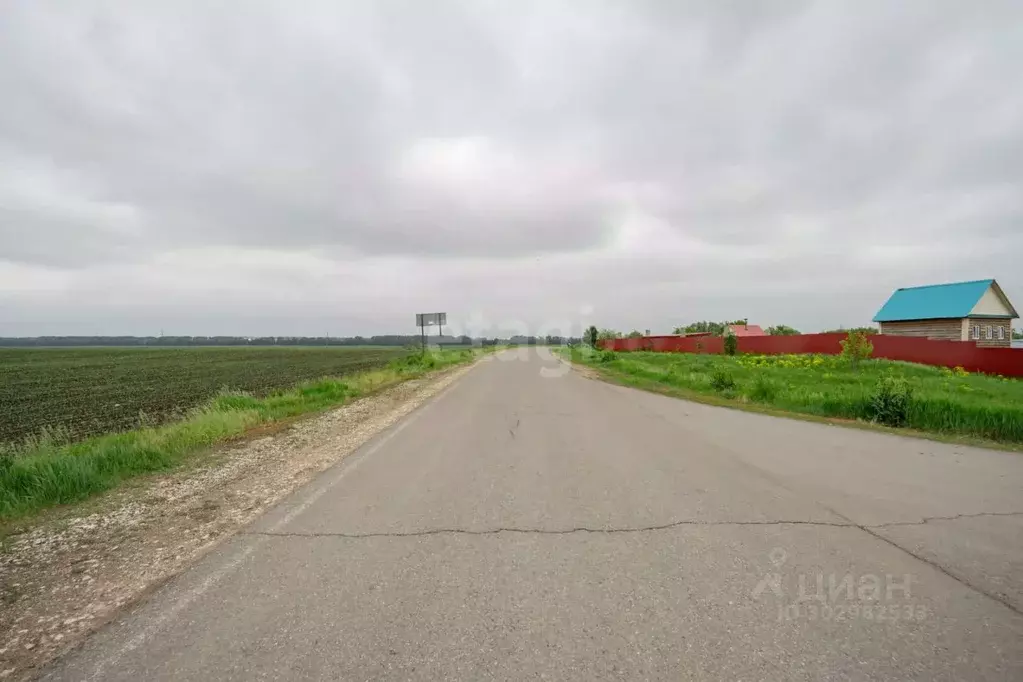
<point x="1005" y="361"/>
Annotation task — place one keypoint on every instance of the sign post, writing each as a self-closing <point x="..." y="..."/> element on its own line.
<point x="424" y="320"/>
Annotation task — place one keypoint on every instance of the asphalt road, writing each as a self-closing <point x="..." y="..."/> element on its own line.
<point x="534" y="524"/>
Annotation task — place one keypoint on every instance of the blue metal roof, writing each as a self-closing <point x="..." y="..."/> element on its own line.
<point x="932" y="302"/>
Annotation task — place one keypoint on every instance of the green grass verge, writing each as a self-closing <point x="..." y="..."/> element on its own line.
<point x="44" y="472"/>
<point x="942" y="401"/>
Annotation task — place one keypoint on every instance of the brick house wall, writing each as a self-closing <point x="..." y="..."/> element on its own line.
<point x="948" y="330"/>
<point x="995" y="324"/>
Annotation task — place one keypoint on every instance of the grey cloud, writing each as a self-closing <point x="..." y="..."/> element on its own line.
<point x="469" y="134"/>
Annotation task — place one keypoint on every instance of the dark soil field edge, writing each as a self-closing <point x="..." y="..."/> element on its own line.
<point x="46" y="474"/>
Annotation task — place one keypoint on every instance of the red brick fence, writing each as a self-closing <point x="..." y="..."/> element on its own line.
<point x="1005" y="361"/>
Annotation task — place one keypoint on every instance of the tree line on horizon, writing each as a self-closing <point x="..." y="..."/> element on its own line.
<point x="718" y="329"/>
<point x="186" y="341"/>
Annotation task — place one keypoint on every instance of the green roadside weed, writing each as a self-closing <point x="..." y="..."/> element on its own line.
<point x="927" y="399"/>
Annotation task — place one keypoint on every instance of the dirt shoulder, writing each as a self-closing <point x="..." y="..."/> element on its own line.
<point x="69" y="571"/>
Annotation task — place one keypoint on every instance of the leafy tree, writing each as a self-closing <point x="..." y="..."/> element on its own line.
<point x="715" y="328"/>
<point x="635" y="334"/>
<point x="782" y="330"/>
<point x="856" y="347"/>
<point x="555" y="340"/>
<point x="591" y="336"/>
<point x="731" y="344"/>
<point x="1017" y="334"/>
<point x="606" y="334"/>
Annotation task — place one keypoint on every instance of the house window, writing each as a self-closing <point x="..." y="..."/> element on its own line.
<point x="1000" y="333"/>
<point x="976" y="332"/>
<point x="987" y="332"/>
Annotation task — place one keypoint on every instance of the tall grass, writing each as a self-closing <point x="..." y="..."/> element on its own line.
<point x="47" y="470"/>
<point x="942" y="401"/>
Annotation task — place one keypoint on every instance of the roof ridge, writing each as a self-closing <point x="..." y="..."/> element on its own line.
<point x="947" y="284"/>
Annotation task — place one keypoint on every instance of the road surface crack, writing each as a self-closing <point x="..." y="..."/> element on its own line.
<point x="927" y="519"/>
<point x="557" y="531"/>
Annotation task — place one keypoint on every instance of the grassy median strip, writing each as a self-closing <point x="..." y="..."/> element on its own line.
<point x="899" y="394"/>
<point x="46" y="470"/>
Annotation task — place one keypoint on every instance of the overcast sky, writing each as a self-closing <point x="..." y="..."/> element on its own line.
<point x="313" y="167"/>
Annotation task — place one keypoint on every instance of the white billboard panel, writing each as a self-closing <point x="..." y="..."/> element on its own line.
<point x="431" y="319"/>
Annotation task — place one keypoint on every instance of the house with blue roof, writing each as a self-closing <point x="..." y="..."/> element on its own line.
<point x="977" y="311"/>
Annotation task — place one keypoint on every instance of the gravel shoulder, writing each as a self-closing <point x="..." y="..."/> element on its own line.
<point x="69" y="571"/>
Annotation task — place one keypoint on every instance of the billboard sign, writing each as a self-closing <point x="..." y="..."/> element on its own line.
<point x="431" y="319"/>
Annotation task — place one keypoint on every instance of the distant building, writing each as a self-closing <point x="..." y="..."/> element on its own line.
<point x="961" y="311"/>
<point x="744" y="330"/>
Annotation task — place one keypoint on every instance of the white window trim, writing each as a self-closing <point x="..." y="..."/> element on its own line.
<point x="975" y="332"/>
<point x="987" y="332"/>
<point x="1000" y="333"/>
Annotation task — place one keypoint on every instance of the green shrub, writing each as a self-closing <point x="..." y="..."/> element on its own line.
<point x="856" y="347"/>
<point x="764" y="390"/>
<point x="722" y="380"/>
<point x="607" y="356"/>
<point x="891" y="401"/>
<point x="731" y="344"/>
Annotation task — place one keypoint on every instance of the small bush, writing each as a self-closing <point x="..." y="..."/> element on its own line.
<point x="891" y="400"/>
<point x="764" y="390"/>
<point x="731" y="344"/>
<point x="608" y="356"/>
<point x="856" y="347"/>
<point x="721" y="380"/>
